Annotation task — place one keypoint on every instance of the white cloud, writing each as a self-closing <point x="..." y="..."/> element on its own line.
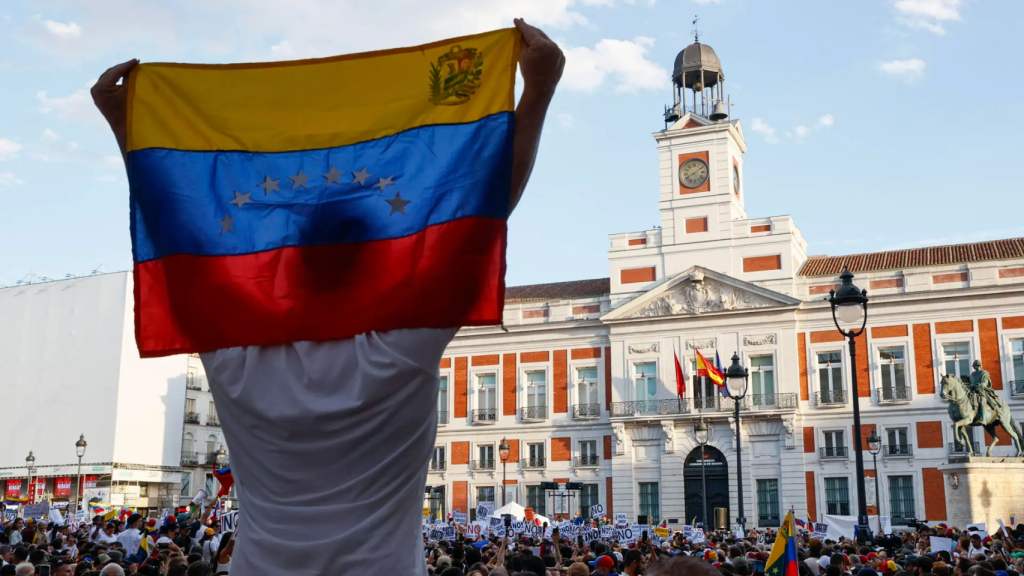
<point x="69" y="31"/>
<point x="928" y="14"/>
<point x="801" y="131"/>
<point x="566" y="120"/>
<point x="908" y="70"/>
<point x="624" y="61"/>
<point x="826" y="121"/>
<point x="7" y="180"/>
<point x="75" y="106"/>
<point x="758" y="125"/>
<point x="53" y="148"/>
<point x="8" y="149"/>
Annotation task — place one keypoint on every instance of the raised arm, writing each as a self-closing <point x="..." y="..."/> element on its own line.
<point x="112" y="100"/>
<point x="541" y="63"/>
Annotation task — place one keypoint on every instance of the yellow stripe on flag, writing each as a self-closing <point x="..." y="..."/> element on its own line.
<point x="321" y="103"/>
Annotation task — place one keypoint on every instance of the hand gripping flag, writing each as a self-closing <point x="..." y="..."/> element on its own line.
<point x="783" y="561"/>
<point x="320" y="199"/>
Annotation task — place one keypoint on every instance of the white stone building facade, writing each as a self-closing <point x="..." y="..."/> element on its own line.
<point x="580" y="380"/>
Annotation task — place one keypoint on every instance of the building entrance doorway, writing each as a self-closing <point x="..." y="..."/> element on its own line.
<point x="716" y="477"/>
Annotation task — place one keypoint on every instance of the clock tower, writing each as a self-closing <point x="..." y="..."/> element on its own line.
<point x="701" y="196"/>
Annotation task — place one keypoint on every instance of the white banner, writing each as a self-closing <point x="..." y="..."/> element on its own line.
<point x="940" y="544"/>
<point x="229" y="521"/>
<point x="843" y="526"/>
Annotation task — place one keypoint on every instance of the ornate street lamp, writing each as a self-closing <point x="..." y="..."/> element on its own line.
<point x="80" y="450"/>
<point x="700" y="433"/>
<point x="222" y="455"/>
<point x="850" y="314"/>
<point x="874" y="446"/>
<point x="503" y="451"/>
<point x="736" y="380"/>
<point x="30" y="462"/>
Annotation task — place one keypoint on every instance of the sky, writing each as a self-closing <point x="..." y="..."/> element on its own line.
<point x="876" y="124"/>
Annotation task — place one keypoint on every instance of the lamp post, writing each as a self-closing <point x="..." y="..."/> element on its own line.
<point x="29" y="463"/>
<point x="80" y="450"/>
<point x="736" y="380"/>
<point x="700" y="433"/>
<point x="850" y="308"/>
<point x="503" y="451"/>
<point x="874" y="446"/>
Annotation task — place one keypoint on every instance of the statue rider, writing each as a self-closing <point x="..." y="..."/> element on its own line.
<point x="981" y="384"/>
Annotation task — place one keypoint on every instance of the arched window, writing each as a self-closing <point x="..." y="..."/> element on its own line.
<point x="188" y="444"/>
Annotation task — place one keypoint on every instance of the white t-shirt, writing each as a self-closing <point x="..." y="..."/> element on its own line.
<point x="102" y="538"/>
<point x="130" y="539"/>
<point x="330" y="443"/>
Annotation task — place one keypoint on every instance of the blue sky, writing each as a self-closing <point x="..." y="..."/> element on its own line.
<point x="877" y="124"/>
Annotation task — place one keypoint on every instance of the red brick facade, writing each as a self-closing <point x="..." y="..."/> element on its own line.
<point x="929" y="435"/>
<point x="460" y="453"/>
<point x="489" y="360"/>
<point x="923" y="367"/>
<point x="812" y="499"/>
<point x="526" y="357"/>
<point x="637" y="275"/>
<point x="561" y="383"/>
<point x="561" y="449"/>
<point x="809" y="440"/>
<point x="988" y="337"/>
<point x="460" y="495"/>
<point x="954" y="327"/>
<point x="801" y="347"/>
<point x="461" y="383"/>
<point x="934" y="493"/>
<point x="508" y="385"/>
<point x="696" y="225"/>
<point x="762" y="263"/>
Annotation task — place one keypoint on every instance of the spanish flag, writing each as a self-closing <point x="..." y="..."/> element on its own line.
<point x="320" y="199"/>
<point x="705" y="368"/>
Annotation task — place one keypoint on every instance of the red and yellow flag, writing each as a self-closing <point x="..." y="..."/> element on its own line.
<point x="705" y="368"/>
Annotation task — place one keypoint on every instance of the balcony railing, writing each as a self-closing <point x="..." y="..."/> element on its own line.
<point x="211" y="460"/>
<point x="830" y="398"/>
<point x="189" y="459"/>
<point x="193" y="384"/>
<point x="437" y="465"/>
<point x="586" y="411"/>
<point x="961" y="448"/>
<point x="587" y="461"/>
<point x="212" y="420"/>
<point x="834" y="453"/>
<point x="191" y="417"/>
<point x="481" y="465"/>
<point x="651" y="407"/>
<point x="442" y="418"/>
<point x="1016" y="387"/>
<point x="484" y="416"/>
<point x="532" y="463"/>
<point x="758" y="402"/>
<point x="532" y="413"/>
<point x="894" y="395"/>
<point x="898" y="450"/>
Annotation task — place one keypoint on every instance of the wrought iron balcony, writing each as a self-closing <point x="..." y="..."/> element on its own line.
<point x="834" y="453"/>
<point x="189" y="459"/>
<point x="478" y="465"/>
<point x="442" y="418"/>
<point x="438" y="465"/>
<point x="532" y="463"/>
<point x="893" y="395"/>
<point x="830" y="398"/>
<point x="191" y="417"/>
<point x="192" y="383"/>
<point x="759" y="402"/>
<point x="211" y="459"/>
<point x="484" y="416"/>
<point x="588" y="461"/>
<point x="898" y="450"/>
<point x="706" y="403"/>
<point x="961" y="447"/>
<point x="1016" y="387"/>
<point x="533" y="413"/>
<point x="586" y="411"/>
<point x="651" y="407"/>
<point x="212" y="420"/>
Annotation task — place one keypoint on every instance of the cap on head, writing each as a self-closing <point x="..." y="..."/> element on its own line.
<point x="977" y="364"/>
<point x="605" y="562"/>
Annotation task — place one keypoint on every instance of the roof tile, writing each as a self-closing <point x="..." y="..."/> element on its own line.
<point x="558" y="290"/>
<point x="913" y="257"/>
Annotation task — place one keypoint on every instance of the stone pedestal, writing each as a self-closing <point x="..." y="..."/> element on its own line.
<point x="982" y="489"/>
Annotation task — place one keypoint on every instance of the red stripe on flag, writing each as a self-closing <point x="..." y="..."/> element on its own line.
<point x="447" y="275"/>
<point x="680" y="379"/>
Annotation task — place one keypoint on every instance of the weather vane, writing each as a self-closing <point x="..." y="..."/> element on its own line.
<point x="696" y="32"/>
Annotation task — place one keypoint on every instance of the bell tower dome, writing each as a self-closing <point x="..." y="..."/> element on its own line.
<point x="697" y="69"/>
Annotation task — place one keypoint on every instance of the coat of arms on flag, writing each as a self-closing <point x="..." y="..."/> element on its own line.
<point x="456" y="76"/>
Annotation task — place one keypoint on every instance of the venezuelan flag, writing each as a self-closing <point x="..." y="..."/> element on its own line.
<point x="705" y="368"/>
<point x="783" y="560"/>
<point x="800" y="523"/>
<point x="319" y="199"/>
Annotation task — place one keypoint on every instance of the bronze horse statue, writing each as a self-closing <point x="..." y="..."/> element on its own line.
<point x="967" y="409"/>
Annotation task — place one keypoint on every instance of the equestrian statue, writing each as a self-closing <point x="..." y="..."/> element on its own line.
<point x="977" y="404"/>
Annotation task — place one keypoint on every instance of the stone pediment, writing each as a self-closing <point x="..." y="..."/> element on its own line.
<point x="699" y="291"/>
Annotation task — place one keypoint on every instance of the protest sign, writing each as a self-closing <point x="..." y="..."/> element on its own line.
<point x="738" y="531"/>
<point x="623" y="535"/>
<point x="1003" y="528"/>
<point x="940" y="543"/>
<point x="10" y="515"/>
<point x="760" y="539"/>
<point x="229" y="521"/>
<point x="620" y="520"/>
<point x="56" y="517"/>
<point x="591" y="534"/>
<point x="820" y="531"/>
<point x="661" y="532"/>
<point x="518" y="526"/>
<point x="529" y="514"/>
<point x="476" y="528"/>
<point x="497" y="526"/>
<point x="460" y="517"/>
<point x="484" y="510"/>
<point x="426" y="512"/>
<point x="698" y="535"/>
<point x="606" y="531"/>
<point x="38" y="510"/>
<point x="596" y="511"/>
<point x="688" y="532"/>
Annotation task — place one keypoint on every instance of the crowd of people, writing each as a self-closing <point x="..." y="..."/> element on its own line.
<point x="190" y="544"/>
<point x="907" y="553"/>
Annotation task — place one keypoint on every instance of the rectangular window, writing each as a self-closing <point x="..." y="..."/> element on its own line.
<point x="830" y="378"/>
<point x="957" y="359"/>
<point x="768" y="504"/>
<point x="484" y="494"/>
<point x="645" y="376"/>
<point x="588" y="453"/>
<point x="535" y="499"/>
<point x="894" y="378"/>
<point x="192" y="380"/>
<point x="835" y="446"/>
<point x="837" y="496"/>
<point x="898" y="442"/>
<point x="901" y="498"/>
<point x="186" y="483"/>
<point x="442" y="401"/>
<point x="486" y="396"/>
<point x="586" y="387"/>
<point x="1017" y="358"/>
<point x="536" y="455"/>
<point x="190" y="406"/>
<point x="588" y="497"/>
<point x="762" y="375"/>
<point x="649" y="502"/>
<point x="437" y="460"/>
<point x="705" y="393"/>
<point x="486" y="455"/>
<point x="435" y="501"/>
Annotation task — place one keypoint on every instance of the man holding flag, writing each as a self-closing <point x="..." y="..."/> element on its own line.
<point x="331" y="435"/>
<point x="783" y="560"/>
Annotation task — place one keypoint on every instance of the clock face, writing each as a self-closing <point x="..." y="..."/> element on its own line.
<point x="693" y="173"/>
<point x="736" y="179"/>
